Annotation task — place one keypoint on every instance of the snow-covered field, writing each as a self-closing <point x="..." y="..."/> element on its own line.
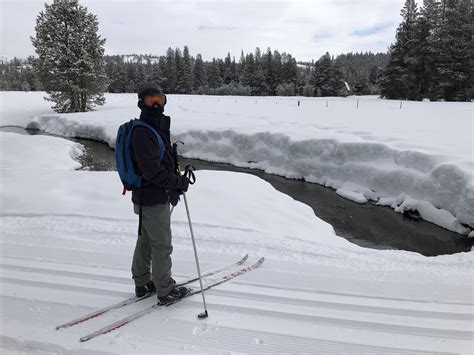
<point x="67" y="238"/>
<point x="419" y="156"/>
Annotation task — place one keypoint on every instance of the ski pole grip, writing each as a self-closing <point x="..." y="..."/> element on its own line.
<point x="175" y="154"/>
<point x="189" y="173"/>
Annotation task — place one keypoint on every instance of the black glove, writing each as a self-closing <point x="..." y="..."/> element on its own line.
<point x="185" y="182"/>
<point x="174" y="197"/>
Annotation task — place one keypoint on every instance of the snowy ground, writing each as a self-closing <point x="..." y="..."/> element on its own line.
<point x="419" y="156"/>
<point x="67" y="238"/>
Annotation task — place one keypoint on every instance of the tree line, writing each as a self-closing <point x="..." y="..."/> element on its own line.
<point x="262" y="74"/>
<point x="433" y="55"/>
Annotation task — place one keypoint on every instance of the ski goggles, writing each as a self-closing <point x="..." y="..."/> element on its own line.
<point x="153" y="100"/>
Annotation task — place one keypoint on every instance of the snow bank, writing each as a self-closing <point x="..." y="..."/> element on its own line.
<point x="418" y="157"/>
<point x="29" y="154"/>
<point x="358" y="171"/>
<point x="45" y="183"/>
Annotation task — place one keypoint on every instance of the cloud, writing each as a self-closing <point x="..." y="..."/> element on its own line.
<point x="215" y="28"/>
<point x="372" y="30"/>
<point x="304" y="28"/>
<point x="323" y="36"/>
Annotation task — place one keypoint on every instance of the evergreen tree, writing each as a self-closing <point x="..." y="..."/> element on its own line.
<point x="157" y="75"/>
<point x="170" y="74"/>
<point x="200" y="77"/>
<point x="233" y="70"/>
<point x="396" y="81"/>
<point x="178" y="59"/>
<point x="427" y="24"/>
<point x="70" y="61"/>
<point x="228" y="76"/>
<point x="259" y="85"/>
<point x="452" y="47"/>
<point x="248" y="71"/>
<point x="337" y="80"/>
<point x="239" y="70"/>
<point x="278" y="73"/>
<point x="289" y="69"/>
<point x="214" y="75"/>
<point x="322" y="76"/>
<point x="268" y="71"/>
<point x="185" y="77"/>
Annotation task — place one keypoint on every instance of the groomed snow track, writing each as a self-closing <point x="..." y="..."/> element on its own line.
<point x="284" y="307"/>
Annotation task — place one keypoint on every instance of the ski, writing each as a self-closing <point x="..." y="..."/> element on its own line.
<point x="136" y="299"/>
<point x="154" y="307"/>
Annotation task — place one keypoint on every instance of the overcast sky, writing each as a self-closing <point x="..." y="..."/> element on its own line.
<point x="304" y="28"/>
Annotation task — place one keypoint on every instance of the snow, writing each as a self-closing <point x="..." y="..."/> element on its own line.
<point x="422" y="152"/>
<point x="67" y="239"/>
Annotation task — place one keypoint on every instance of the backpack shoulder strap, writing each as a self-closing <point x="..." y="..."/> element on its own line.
<point x="141" y="123"/>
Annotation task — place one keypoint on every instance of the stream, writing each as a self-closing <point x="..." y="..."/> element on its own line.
<point x="366" y="225"/>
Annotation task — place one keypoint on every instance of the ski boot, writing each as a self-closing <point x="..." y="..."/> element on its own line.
<point x="174" y="295"/>
<point x="141" y="291"/>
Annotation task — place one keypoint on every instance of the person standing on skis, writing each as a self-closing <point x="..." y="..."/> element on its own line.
<point x="162" y="188"/>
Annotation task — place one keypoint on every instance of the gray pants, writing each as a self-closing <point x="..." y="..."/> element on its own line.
<point x="153" y="249"/>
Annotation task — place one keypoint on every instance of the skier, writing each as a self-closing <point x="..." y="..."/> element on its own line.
<point x="152" y="202"/>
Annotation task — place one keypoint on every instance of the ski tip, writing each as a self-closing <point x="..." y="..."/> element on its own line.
<point x="246" y="256"/>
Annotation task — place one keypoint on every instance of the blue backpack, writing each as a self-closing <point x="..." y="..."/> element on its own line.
<point x="123" y="154"/>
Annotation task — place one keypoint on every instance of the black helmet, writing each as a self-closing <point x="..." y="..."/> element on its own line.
<point x="149" y="89"/>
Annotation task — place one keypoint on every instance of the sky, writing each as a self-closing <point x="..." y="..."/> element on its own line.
<point x="304" y="28"/>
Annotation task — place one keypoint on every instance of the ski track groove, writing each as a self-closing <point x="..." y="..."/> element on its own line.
<point x="311" y="319"/>
<point x="233" y="294"/>
<point x="349" y="294"/>
<point x="345" y="306"/>
<point x="355" y="324"/>
<point x="82" y="289"/>
<point x="72" y="274"/>
<point x="251" y="341"/>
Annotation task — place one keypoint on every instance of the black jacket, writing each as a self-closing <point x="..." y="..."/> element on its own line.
<point x="163" y="183"/>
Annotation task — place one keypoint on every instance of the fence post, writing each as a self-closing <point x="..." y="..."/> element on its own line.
<point x="401" y="102"/>
<point x="357" y="103"/>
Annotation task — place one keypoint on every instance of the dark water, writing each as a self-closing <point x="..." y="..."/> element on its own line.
<point x="366" y="225"/>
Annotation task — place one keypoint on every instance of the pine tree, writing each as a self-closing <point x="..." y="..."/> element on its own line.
<point x="427" y="24"/>
<point x="170" y="74"/>
<point x="240" y="68"/>
<point x="157" y="71"/>
<point x="452" y="46"/>
<point x="260" y="86"/>
<point x="322" y="76"/>
<point x="185" y="76"/>
<point x="178" y="59"/>
<point x="279" y="75"/>
<point x="70" y="61"/>
<point x="214" y="75"/>
<point x="200" y="77"/>
<point x="233" y="71"/>
<point x="397" y="79"/>
<point x="337" y="80"/>
<point x="228" y="76"/>
<point x="289" y="69"/>
<point x="248" y="71"/>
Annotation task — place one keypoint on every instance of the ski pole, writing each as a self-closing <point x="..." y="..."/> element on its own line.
<point x="188" y="172"/>
<point x="203" y="314"/>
